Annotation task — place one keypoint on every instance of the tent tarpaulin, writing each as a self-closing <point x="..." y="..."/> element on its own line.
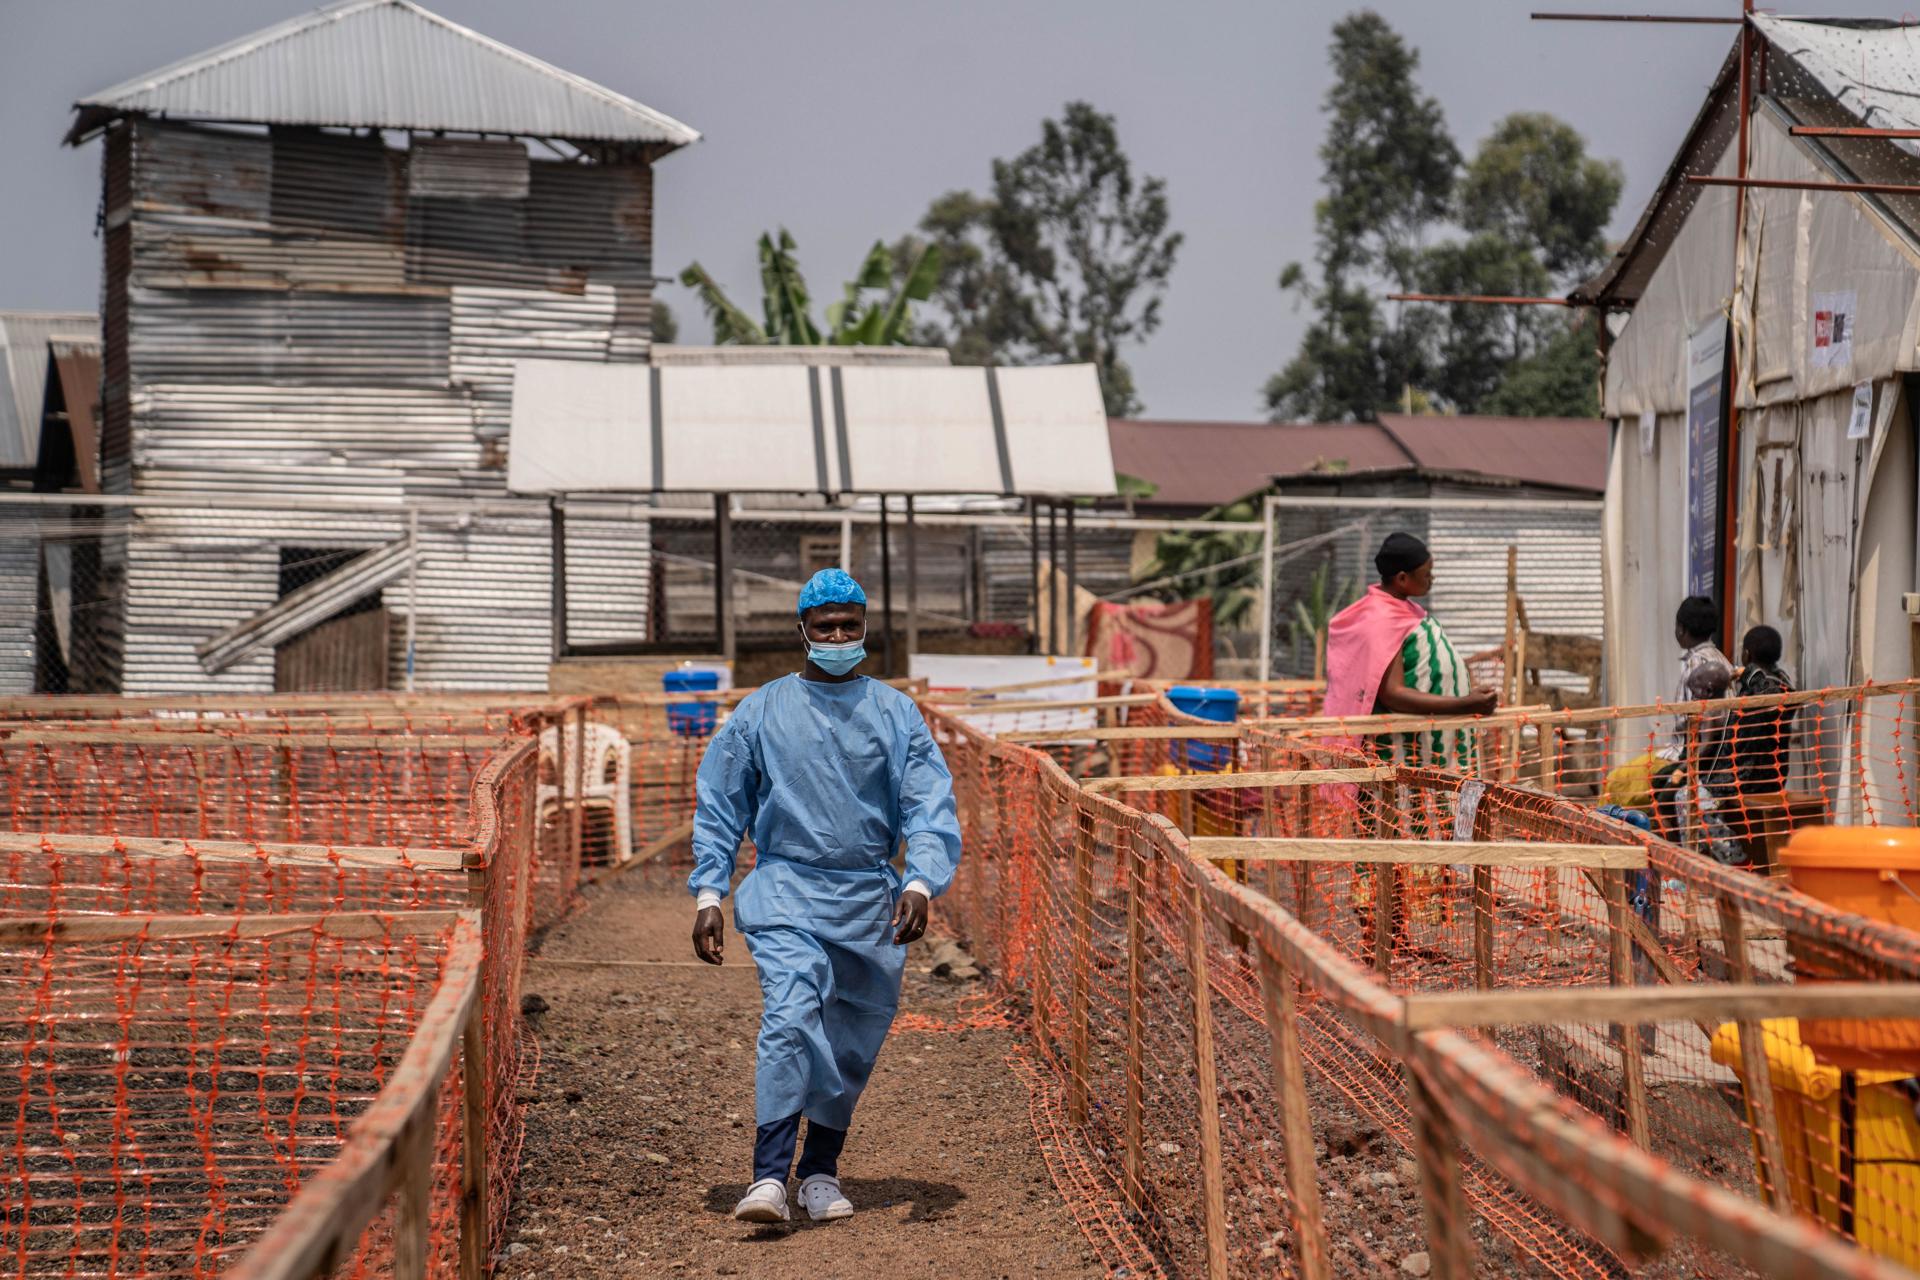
<point x="581" y="427"/>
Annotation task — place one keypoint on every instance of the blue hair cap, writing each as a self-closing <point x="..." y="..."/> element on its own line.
<point x="830" y="586"/>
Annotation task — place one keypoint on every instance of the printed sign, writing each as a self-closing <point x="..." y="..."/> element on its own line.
<point x="1466" y="806"/>
<point x="1860" y="422"/>
<point x="1833" y="317"/>
<point x="1706" y="370"/>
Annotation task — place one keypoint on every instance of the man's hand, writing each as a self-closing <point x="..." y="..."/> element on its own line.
<point x="709" y="935"/>
<point x="1482" y="701"/>
<point x="910" y="917"/>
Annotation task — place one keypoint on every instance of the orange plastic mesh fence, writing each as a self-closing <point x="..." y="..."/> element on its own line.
<point x="1582" y="1146"/>
<point x="122" y="820"/>
<point x="179" y="1079"/>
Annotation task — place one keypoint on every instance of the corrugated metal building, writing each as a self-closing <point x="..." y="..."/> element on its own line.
<point x="326" y="243"/>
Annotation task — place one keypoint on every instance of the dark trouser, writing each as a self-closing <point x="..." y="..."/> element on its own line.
<point x="773" y="1150"/>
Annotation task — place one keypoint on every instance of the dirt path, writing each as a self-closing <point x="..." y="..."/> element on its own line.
<point x="640" y="1125"/>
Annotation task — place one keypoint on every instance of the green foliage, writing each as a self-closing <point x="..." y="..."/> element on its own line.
<point x="1068" y="259"/>
<point x="1221" y="565"/>
<point x="1560" y="380"/>
<point x="1134" y="486"/>
<point x="662" y="323"/>
<point x="1314" y="611"/>
<point x="858" y="319"/>
<point x="1532" y="208"/>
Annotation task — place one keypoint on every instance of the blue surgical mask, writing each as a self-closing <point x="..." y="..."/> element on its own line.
<point x="838" y="659"/>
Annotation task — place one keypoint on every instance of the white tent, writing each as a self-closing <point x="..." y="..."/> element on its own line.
<point x="1822" y="303"/>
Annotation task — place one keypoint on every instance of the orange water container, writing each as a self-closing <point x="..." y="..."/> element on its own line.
<point x="1867" y="871"/>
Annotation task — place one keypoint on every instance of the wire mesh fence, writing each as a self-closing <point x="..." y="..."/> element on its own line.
<point x="1322" y="559"/>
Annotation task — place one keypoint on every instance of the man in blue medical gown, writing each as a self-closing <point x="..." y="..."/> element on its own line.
<point x="828" y="772"/>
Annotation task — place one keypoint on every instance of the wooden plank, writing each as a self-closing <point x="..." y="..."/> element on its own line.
<point x="1133" y="1122"/>
<point x="1756" y="1076"/>
<point x="413" y="1192"/>
<point x="1236" y="781"/>
<point x="327" y="1216"/>
<point x="1620" y="973"/>
<point x="647" y="852"/>
<point x="476" y="1091"/>
<point x="219" y="741"/>
<point x="1483" y="902"/>
<point x="250" y="851"/>
<point x="1443" y="1209"/>
<point x="1123" y="733"/>
<point x="1213" y="1195"/>
<point x="1078" y="1058"/>
<point x="1296" y="1126"/>
<point x="1039" y="704"/>
<point x="337" y="924"/>
<point x="1716" y="1002"/>
<point x="1486" y="853"/>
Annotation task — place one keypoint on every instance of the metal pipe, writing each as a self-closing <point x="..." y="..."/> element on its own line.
<point x="1073" y="587"/>
<point x="886" y="593"/>
<point x="413" y="589"/>
<point x="1033" y="555"/>
<point x="1053" y="577"/>
<point x="1678" y="19"/>
<point x="913" y="584"/>
<point x="1848" y="131"/>
<point x="723" y="573"/>
<point x="1491" y="299"/>
<point x="1795" y="184"/>
<point x="557" y="576"/>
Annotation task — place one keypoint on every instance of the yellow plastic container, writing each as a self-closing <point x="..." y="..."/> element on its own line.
<point x="1882" y="1162"/>
<point x="1866" y="871"/>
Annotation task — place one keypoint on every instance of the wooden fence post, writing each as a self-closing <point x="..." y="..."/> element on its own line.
<point x="473" y="1171"/>
<point x="1040" y="934"/>
<point x="1133" y="1122"/>
<point x="413" y="1192"/>
<point x="1078" y="1058"/>
<point x="1756" y="1076"/>
<point x="1296" y="1127"/>
<point x="1443" y="1208"/>
<point x="1620" y="974"/>
<point x="1213" y="1195"/>
<point x="1483" y="903"/>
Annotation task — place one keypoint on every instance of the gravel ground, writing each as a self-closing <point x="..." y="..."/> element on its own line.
<point x="640" y="1124"/>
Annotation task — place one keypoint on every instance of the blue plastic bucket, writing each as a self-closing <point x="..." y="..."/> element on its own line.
<point x="1208" y="704"/>
<point x="691" y="719"/>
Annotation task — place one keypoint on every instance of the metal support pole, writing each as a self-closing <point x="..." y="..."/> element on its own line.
<point x="557" y="578"/>
<point x="413" y="588"/>
<point x="1053" y="577"/>
<point x="846" y="546"/>
<point x="913" y="583"/>
<point x="723" y="573"/>
<point x="1033" y="556"/>
<point x="1266" y="588"/>
<point x="886" y="593"/>
<point x="1073" y="587"/>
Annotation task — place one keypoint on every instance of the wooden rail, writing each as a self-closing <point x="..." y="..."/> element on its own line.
<point x="249" y="851"/>
<point x="1236" y="781"/>
<point x="1470" y="853"/>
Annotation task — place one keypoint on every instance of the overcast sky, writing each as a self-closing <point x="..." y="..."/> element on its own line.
<point x="841" y="120"/>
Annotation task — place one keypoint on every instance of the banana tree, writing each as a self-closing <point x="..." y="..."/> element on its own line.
<point x="857" y="319"/>
<point x="1314" y="610"/>
<point x="1222" y="565"/>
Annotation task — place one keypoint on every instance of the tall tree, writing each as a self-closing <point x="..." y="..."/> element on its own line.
<point x="1535" y="207"/>
<point x="1069" y="258"/>
<point x="1388" y="163"/>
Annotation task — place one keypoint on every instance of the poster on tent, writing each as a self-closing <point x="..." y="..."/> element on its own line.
<point x="1706" y="367"/>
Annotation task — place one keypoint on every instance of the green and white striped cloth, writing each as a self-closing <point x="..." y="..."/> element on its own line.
<point x="1431" y="664"/>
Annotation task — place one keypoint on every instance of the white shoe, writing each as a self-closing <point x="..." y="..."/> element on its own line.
<point x="765" y="1201"/>
<point x="824" y="1200"/>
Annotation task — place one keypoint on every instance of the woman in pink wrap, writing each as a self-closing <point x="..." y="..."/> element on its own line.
<point x="1385" y="654"/>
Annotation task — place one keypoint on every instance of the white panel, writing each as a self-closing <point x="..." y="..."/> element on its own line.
<point x="1057" y="430"/>
<point x="920" y="431"/>
<point x="743" y="429"/>
<point x="580" y="426"/>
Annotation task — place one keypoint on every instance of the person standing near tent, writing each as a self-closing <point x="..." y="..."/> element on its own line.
<point x="1386" y="654"/>
<point x="828" y="772"/>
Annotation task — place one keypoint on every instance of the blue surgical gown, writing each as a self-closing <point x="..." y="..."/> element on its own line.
<point x="828" y="779"/>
